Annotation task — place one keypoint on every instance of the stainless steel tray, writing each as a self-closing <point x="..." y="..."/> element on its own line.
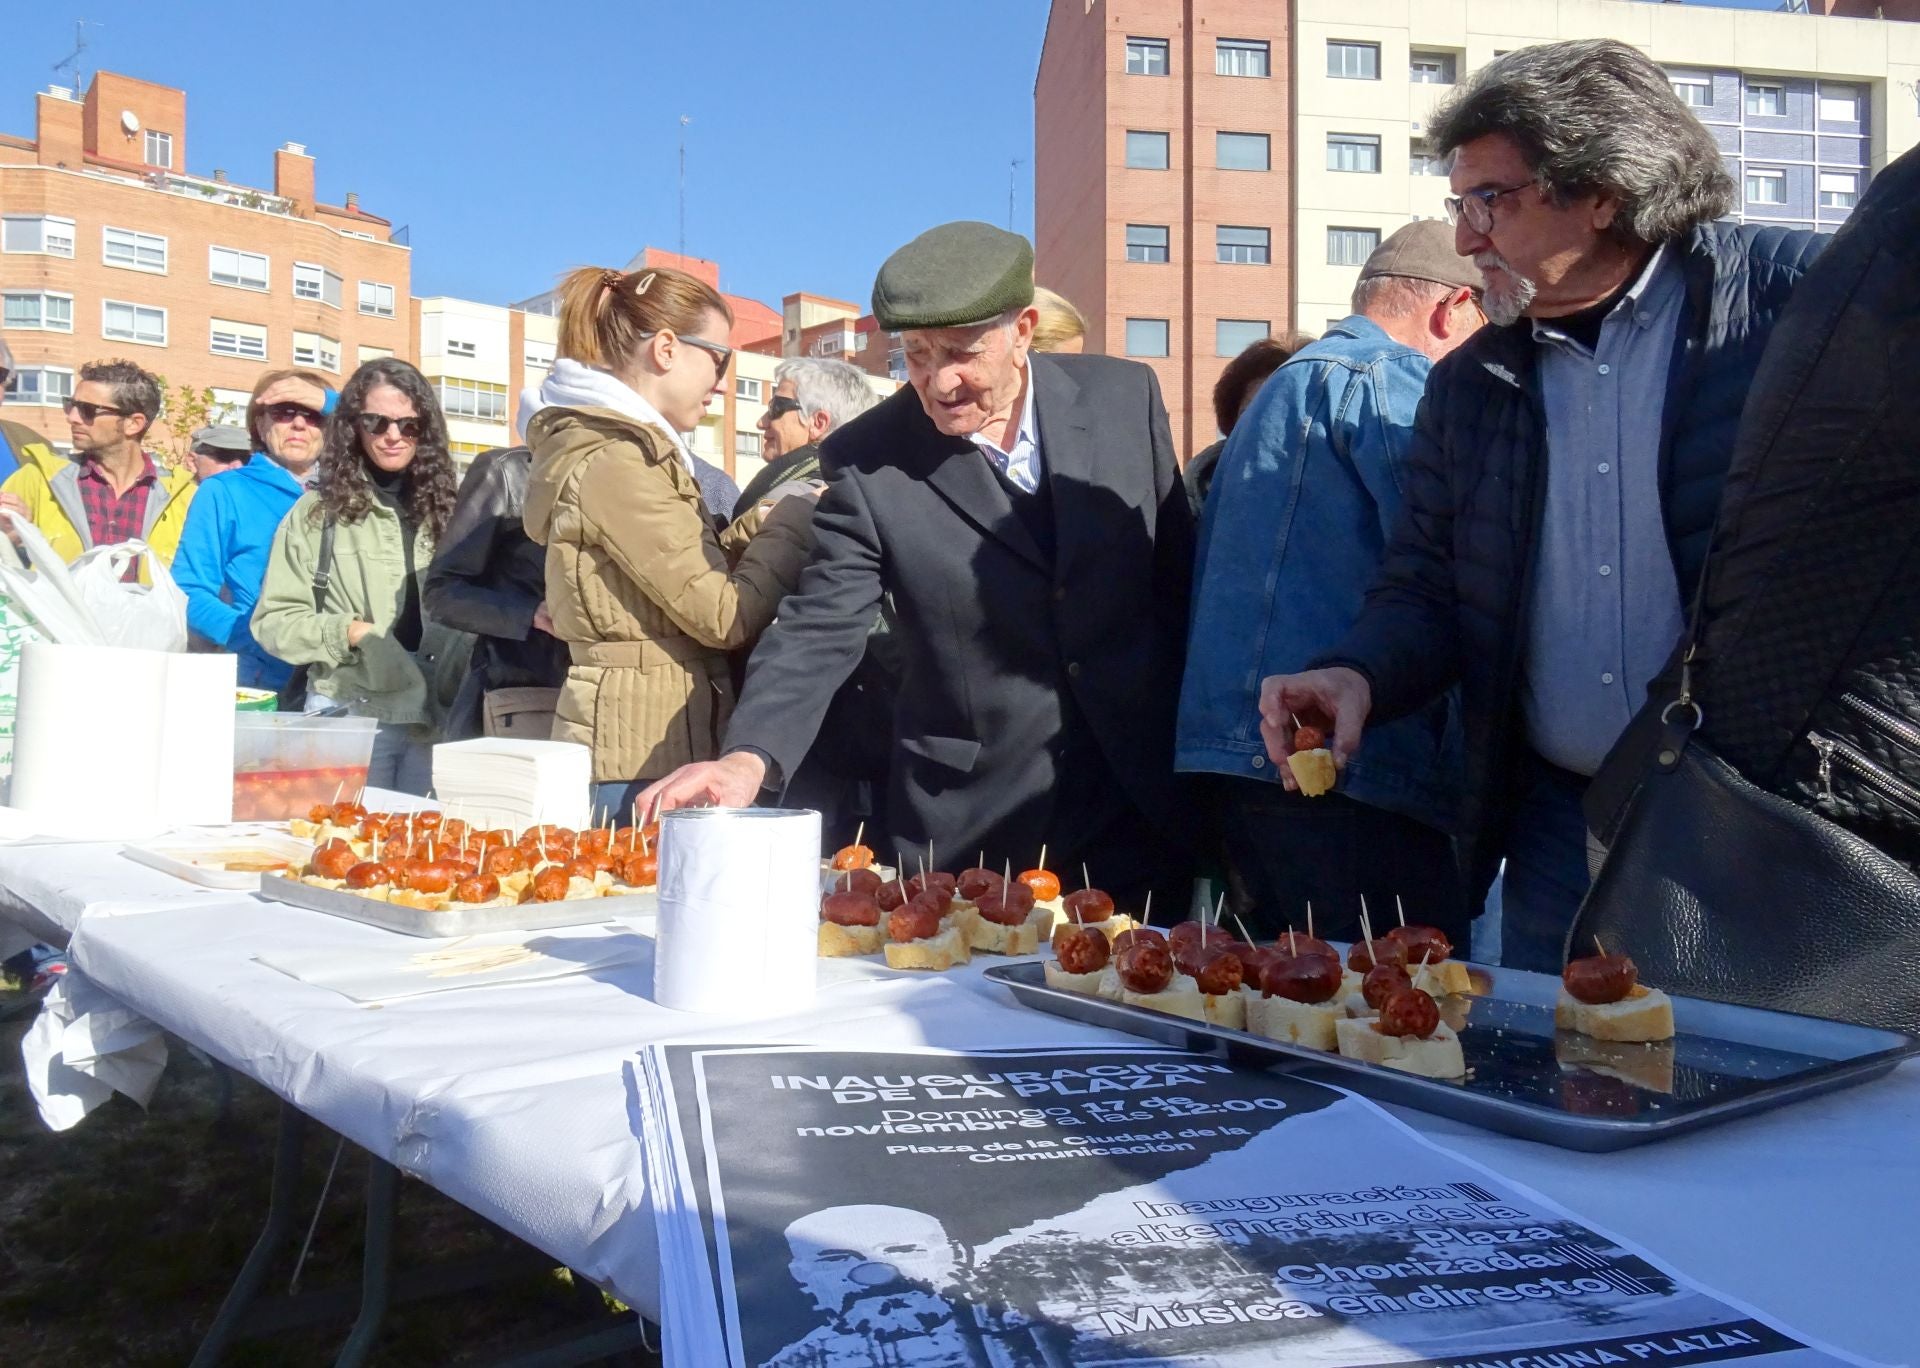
<point x="456" y="921"/>
<point x="1526" y="1079"/>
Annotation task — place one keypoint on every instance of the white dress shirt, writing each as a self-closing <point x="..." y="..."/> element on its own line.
<point x="1021" y="464"/>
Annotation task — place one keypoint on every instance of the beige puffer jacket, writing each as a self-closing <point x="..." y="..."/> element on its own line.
<point x="648" y="599"/>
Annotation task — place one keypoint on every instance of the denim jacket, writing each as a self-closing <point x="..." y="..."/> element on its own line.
<point x="1302" y="502"/>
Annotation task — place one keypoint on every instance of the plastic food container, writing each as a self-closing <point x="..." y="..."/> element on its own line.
<point x="255" y="700"/>
<point x="284" y="763"/>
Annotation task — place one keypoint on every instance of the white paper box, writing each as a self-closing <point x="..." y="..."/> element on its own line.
<point x="739" y="910"/>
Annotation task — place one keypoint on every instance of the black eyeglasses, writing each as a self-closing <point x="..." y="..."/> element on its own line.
<point x="376" y="425"/>
<point x="781" y="403"/>
<point x="720" y="353"/>
<point x="89" y="412"/>
<point x="287" y="412"/>
<point x="1476" y="206"/>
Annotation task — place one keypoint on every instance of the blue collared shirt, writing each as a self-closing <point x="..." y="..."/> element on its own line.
<point x="1302" y="502"/>
<point x="1606" y="605"/>
<point x="1020" y="464"/>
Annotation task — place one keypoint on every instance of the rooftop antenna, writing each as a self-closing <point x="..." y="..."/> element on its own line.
<point x="1013" y="175"/>
<point x="684" y="121"/>
<point x="71" y="63"/>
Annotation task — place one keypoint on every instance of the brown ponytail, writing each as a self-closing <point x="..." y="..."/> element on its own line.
<point x="604" y="314"/>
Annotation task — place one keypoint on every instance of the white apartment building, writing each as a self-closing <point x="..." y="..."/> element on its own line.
<point x="478" y="357"/>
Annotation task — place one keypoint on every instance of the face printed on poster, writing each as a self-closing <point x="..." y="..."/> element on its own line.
<point x="1094" y="1206"/>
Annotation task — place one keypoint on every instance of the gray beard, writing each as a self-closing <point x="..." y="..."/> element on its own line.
<point x="1508" y="304"/>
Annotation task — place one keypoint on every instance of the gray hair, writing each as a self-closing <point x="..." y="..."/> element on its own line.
<point x="1392" y="296"/>
<point x="834" y="388"/>
<point x="1596" y="116"/>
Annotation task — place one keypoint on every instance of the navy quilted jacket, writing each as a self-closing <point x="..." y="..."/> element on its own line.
<point x="1448" y="604"/>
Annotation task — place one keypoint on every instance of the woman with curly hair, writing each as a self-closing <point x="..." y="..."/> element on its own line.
<point x="342" y="590"/>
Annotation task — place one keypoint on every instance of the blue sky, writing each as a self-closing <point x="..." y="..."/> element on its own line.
<point x="517" y="140"/>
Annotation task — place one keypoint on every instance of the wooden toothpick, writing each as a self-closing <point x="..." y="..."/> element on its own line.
<point x="1043" y="857"/>
<point x="1400" y="909"/>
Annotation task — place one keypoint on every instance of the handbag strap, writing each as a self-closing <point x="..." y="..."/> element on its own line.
<point x="323" y="567"/>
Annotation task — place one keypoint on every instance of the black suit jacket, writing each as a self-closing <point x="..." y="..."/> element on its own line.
<point x="994" y="635"/>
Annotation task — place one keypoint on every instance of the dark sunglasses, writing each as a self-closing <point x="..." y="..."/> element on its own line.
<point x="780" y="404"/>
<point x="287" y="412"/>
<point x="376" y="425"/>
<point x="720" y="353"/>
<point x="89" y="412"/>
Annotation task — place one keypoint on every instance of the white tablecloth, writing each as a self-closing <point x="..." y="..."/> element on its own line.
<point x="517" y="1102"/>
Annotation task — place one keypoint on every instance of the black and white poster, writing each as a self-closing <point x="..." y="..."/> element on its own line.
<point x="847" y="1209"/>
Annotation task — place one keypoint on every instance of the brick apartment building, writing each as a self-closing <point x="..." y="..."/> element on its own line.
<point x="1209" y="171"/>
<point x="109" y="247"/>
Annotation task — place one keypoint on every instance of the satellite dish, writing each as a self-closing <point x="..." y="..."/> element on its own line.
<point x="129" y="121"/>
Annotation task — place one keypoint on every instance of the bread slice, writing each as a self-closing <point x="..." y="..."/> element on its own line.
<point x="999" y="939"/>
<point x="1108" y="986"/>
<point x="932" y="952"/>
<point x="1434" y="1056"/>
<point x="1073" y="983"/>
<point x="1226" y="1009"/>
<point x="426" y="902"/>
<point x="837" y="941"/>
<point x="1313" y="771"/>
<point x="516" y="882"/>
<point x="315" y="881"/>
<point x="1643" y="1014"/>
<point x="1296" y="1023"/>
<point x="1438" y="980"/>
<point x="1181" y="997"/>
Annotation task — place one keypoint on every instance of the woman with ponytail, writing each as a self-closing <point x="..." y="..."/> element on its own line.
<point x="648" y="597"/>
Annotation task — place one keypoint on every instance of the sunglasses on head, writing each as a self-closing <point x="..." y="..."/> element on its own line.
<point x="287" y="412"/>
<point x="89" y="412"/>
<point x="780" y="404"/>
<point x="376" y="425"/>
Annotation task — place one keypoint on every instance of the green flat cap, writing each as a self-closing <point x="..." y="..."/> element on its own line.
<point x="952" y="276"/>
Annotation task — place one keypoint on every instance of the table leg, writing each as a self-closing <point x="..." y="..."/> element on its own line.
<point x="280" y="1214"/>
<point x="376" y="1262"/>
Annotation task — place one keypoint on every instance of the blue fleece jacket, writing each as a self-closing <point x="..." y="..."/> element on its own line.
<point x="223" y="557"/>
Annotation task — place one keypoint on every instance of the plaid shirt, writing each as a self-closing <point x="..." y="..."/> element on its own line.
<point x="112" y="520"/>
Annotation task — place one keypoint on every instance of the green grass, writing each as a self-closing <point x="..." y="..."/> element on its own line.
<point x="119" y="1238"/>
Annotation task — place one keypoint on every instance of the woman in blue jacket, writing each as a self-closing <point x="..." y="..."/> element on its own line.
<point x="223" y="548"/>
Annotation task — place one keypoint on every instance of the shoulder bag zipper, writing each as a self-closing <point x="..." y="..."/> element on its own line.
<point x="1888" y="785"/>
<point x="1882" y="720"/>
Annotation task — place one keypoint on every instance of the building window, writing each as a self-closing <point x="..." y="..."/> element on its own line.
<point x="376" y="299"/>
<point x="1430" y="68"/>
<point x="315" y="282"/>
<point x="37" y="309"/>
<point x="231" y="266"/>
<point x="746" y="444"/>
<point x="1424" y="161"/>
<point x="229" y="406"/>
<point x="464" y="452"/>
<point x="362" y="355"/>
<point x="1766" y="187"/>
<point x="1146" y="151"/>
<point x="1243" y="246"/>
<point x="312" y="349"/>
<point x="1231" y="336"/>
<point x="1146" y="337"/>
<point x="50" y="385"/>
<point x="1839" y="103"/>
<point x="1351" y="246"/>
<point x="455" y="347"/>
<point x="134" y="251"/>
<point x="540" y="355"/>
<point x="42" y="233"/>
<point x="1146" y="242"/>
<point x="1241" y="151"/>
<point x="159" y="149"/>
<point x="472" y="399"/>
<point x="1146" y="56"/>
<point x="1766" y="101"/>
<point x="1241" y="57"/>
<point x="748" y="388"/>
<point x="1696" y="92"/>
<point x="1353" y="61"/>
<point x="247" y="340"/>
<point x="897" y="365"/>
<point x="122" y="322"/>
<point x="1838" y="190"/>
<point x="1353" y="152"/>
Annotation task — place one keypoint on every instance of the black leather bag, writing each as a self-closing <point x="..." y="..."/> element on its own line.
<point x="1721" y="890"/>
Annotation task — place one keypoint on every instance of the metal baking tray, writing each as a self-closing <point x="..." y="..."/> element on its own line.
<point x="1557" y="1087"/>
<point x="457" y="921"/>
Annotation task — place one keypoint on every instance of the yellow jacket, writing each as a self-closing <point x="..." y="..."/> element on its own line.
<point x="49" y="484"/>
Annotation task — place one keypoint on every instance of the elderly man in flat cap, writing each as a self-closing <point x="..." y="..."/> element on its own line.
<point x="1305" y="494"/>
<point x="1026" y="515"/>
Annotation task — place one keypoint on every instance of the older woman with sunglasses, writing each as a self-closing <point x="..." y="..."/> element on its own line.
<point x="647" y="595"/>
<point x="223" y="549"/>
<point x="342" y="590"/>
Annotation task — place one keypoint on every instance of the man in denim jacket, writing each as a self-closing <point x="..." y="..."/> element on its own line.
<point x="1305" y="495"/>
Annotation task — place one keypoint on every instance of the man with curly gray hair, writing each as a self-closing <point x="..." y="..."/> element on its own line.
<point x="1568" y="461"/>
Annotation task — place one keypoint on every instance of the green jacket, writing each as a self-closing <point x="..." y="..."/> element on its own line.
<point x="380" y="678"/>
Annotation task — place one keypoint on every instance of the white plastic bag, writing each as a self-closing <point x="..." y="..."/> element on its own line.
<point x="140" y="617"/>
<point x="43" y="591"/>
